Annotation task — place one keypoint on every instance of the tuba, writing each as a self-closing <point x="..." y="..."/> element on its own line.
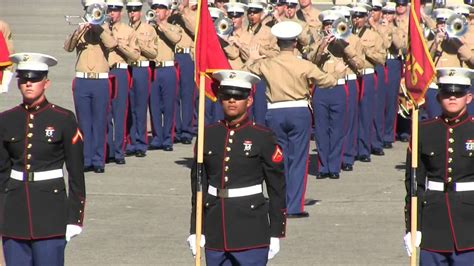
<point x="456" y="26"/>
<point x="341" y="28"/>
<point x="96" y="14"/>
<point x="224" y="26"/>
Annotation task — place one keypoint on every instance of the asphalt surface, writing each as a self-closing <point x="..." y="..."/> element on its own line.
<point x="138" y="213"/>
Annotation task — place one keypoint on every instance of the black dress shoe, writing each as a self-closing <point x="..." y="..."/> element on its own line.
<point x="130" y="153"/>
<point x="387" y="145"/>
<point x="322" y="175"/>
<point x="378" y="152"/>
<point x="347" y="167"/>
<point x="186" y="141"/>
<point x="110" y="160"/>
<point x="140" y="154"/>
<point x="120" y="161"/>
<point x="364" y="159"/>
<point x="99" y="169"/>
<point x="88" y="168"/>
<point x="152" y="148"/>
<point x="404" y="139"/>
<point x="297" y="215"/>
<point x="334" y="176"/>
<point x="169" y="148"/>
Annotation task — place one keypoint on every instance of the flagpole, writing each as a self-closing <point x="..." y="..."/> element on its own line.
<point x="200" y="149"/>
<point x="413" y="184"/>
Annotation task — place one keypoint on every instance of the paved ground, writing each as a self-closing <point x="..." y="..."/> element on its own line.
<point x="138" y="214"/>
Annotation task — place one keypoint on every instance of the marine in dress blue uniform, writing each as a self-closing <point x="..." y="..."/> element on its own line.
<point x="240" y="226"/>
<point x="37" y="138"/>
<point x="445" y="176"/>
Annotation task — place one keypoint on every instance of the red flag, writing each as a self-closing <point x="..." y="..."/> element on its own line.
<point x="209" y="53"/>
<point x="4" y="56"/>
<point x="420" y="70"/>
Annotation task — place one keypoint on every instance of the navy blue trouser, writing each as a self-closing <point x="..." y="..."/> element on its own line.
<point x="379" y="108"/>
<point x="139" y="96"/>
<point x="432" y="106"/>
<point x="164" y="90"/>
<point x="213" y="112"/>
<point x="259" y="107"/>
<point x="470" y="107"/>
<point x="429" y="258"/>
<point x="350" y="137"/>
<point x="394" y="67"/>
<point x="117" y="118"/>
<point x="185" y="101"/>
<point x="366" y="115"/>
<point x="44" y="252"/>
<point x="92" y="101"/>
<point x="330" y="126"/>
<point x="292" y="127"/>
<point x="254" y="257"/>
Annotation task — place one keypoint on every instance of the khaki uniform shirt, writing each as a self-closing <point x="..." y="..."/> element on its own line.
<point x="311" y="17"/>
<point x="127" y="50"/>
<point x="233" y="52"/>
<point x="448" y="54"/>
<point x="262" y="35"/>
<point x="288" y="77"/>
<point x="147" y="40"/>
<point x="304" y="39"/>
<point x="92" y="48"/>
<point x="189" y="18"/>
<point x="351" y="55"/>
<point x="168" y="36"/>
<point x="400" y="34"/>
<point x="467" y="50"/>
<point x="372" y="47"/>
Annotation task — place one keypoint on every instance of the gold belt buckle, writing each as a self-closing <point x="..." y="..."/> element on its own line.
<point x="92" y="75"/>
<point x="30" y="177"/>
<point x="134" y="63"/>
<point x="222" y="193"/>
<point x="159" y="64"/>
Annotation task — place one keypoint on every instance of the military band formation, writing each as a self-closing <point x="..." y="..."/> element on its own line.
<point x="298" y="74"/>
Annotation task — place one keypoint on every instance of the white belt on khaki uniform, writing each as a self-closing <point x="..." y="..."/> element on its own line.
<point x="120" y="65"/>
<point x="234" y="192"/>
<point x="164" y="64"/>
<point x="140" y="64"/>
<point x="36" y="176"/>
<point x="341" y="81"/>
<point x="180" y="50"/>
<point x="288" y="104"/>
<point x="440" y="186"/>
<point x="391" y="56"/>
<point x="367" y="71"/>
<point x="351" y="77"/>
<point x="92" y="75"/>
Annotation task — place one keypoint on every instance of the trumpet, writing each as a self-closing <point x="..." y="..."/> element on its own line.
<point x="175" y="4"/>
<point x="341" y="28"/>
<point x="224" y="26"/>
<point x="456" y="26"/>
<point x="269" y="9"/>
<point x="96" y="14"/>
<point x="150" y="16"/>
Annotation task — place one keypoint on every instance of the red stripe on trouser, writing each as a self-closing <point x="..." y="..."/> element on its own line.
<point x="148" y="100"/>
<point x="385" y="71"/>
<point x="109" y="104"/>
<point x="305" y="181"/>
<point x="174" y="108"/>
<point x="125" y="131"/>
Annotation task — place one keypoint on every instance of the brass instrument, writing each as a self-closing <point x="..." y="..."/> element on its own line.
<point x="341" y="28"/>
<point x="224" y="26"/>
<point x="269" y="9"/>
<point x="175" y="4"/>
<point x="456" y="26"/>
<point x="96" y="14"/>
<point x="150" y="16"/>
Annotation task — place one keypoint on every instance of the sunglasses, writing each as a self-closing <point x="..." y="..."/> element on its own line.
<point x="236" y="15"/>
<point x="446" y="95"/>
<point x="227" y="97"/>
<point x="32" y="80"/>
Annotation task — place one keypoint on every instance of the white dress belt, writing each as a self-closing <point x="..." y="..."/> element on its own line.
<point x="341" y="81"/>
<point x="36" y="176"/>
<point x="288" y="104"/>
<point x="92" y="75"/>
<point x="141" y="63"/>
<point x="120" y="65"/>
<point x="351" y="77"/>
<point x="368" y="71"/>
<point x="234" y="192"/>
<point x="391" y="56"/>
<point x="164" y="64"/>
<point x="439" y="186"/>
<point x="180" y="50"/>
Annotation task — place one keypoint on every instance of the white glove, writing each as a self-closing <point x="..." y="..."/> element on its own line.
<point x="72" y="230"/>
<point x="274" y="247"/>
<point x="7" y="77"/>
<point x="407" y="240"/>
<point x="192" y="243"/>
